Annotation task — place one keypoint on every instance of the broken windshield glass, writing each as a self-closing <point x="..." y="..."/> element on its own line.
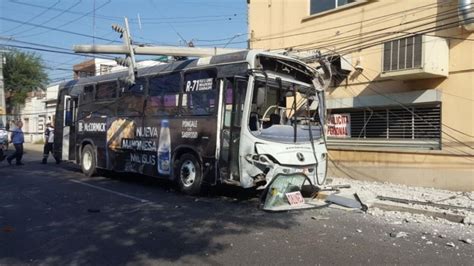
<point x="284" y="112"/>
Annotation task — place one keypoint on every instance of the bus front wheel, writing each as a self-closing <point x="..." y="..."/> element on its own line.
<point x="189" y="174"/>
<point x="88" y="161"/>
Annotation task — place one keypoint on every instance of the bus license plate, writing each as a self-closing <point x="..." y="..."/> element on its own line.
<point x="295" y="198"/>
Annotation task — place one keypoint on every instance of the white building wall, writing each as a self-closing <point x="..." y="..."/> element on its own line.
<point x="33" y="118"/>
<point x="50" y="102"/>
<point x="37" y="112"/>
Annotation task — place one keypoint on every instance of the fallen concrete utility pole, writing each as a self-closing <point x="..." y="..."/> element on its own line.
<point x="131" y="50"/>
<point x="438" y="205"/>
<point x="155" y="50"/>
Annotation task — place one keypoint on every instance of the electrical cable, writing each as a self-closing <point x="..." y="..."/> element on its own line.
<point x="52" y="51"/>
<point x="115" y="18"/>
<point x="55" y="29"/>
<point x="52" y="18"/>
<point x="351" y="38"/>
<point x="34" y="17"/>
<point x="378" y="32"/>
<point x="71" y="21"/>
<point x="404" y="12"/>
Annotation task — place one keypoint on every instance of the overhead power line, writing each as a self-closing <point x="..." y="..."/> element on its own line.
<point x="119" y="18"/>
<point x="31" y="43"/>
<point x="52" y="18"/>
<point x="338" y="40"/>
<point x="54" y="51"/>
<point x="34" y="17"/>
<point x="71" y="21"/>
<point x="56" y="29"/>
<point x="288" y="33"/>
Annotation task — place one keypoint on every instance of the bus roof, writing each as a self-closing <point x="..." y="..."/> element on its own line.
<point x="236" y="57"/>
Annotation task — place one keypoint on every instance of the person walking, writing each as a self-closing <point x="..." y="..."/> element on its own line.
<point x="48" y="143"/>
<point x="17" y="138"/>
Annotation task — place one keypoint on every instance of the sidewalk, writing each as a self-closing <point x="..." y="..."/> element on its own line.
<point x="32" y="147"/>
<point x="421" y="205"/>
<point x="32" y="152"/>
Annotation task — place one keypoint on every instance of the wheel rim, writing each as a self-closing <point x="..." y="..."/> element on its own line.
<point x="188" y="173"/>
<point x="87" y="160"/>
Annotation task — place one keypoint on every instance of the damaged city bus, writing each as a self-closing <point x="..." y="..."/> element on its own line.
<point x="241" y="118"/>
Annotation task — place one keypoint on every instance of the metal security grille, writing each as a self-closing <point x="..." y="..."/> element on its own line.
<point x="415" y="126"/>
<point x="403" y="54"/>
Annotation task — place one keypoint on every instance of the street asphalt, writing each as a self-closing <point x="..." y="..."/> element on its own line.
<point x="52" y="215"/>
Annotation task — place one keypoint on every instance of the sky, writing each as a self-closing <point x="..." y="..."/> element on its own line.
<point x="51" y="27"/>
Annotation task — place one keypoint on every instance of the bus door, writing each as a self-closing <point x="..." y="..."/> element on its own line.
<point x="234" y="98"/>
<point x="69" y="128"/>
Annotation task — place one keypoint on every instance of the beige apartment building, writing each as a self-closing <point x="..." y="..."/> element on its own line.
<point x="401" y="101"/>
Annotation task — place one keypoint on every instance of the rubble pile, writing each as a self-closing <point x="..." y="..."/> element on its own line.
<point x="421" y="205"/>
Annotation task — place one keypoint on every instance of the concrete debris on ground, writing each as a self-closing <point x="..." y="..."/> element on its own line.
<point x="468" y="219"/>
<point x="450" y="244"/>
<point x="398" y="234"/>
<point x="368" y="191"/>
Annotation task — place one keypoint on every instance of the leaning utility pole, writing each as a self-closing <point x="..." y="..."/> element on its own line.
<point x="131" y="50"/>
<point x="129" y="60"/>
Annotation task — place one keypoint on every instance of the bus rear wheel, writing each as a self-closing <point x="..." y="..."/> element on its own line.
<point x="189" y="174"/>
<point x="88" y="161"/>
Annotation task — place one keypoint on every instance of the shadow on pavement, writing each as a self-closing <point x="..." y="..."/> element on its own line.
<point x="56" y="221"/>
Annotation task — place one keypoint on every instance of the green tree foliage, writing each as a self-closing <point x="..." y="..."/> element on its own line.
<point x="23" y="72"/>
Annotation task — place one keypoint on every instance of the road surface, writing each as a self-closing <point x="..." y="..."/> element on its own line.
<point x="51" y="214"/>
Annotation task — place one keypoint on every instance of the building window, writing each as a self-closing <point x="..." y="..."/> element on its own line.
<point x="104" y="69"/>
<point x="318" y="6"/>
<point x="417" y="126"/>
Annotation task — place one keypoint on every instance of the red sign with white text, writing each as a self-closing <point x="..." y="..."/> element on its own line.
<point x="339" y="126"/>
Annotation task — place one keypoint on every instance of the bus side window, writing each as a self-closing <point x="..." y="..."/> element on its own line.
<point x="228" y="102"/>
<point x="163" y="94"/>
<point x="106" y="90"/>
<point x="199" y="97"/>
<point x="132" y="98"/>
<point x="69" y="111"/>
<point x="137" y="89"/>
<point x="88" y="95"/>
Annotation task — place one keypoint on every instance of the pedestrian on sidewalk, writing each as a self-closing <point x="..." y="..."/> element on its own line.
<point x="17" y="138"/>
<point x="48" y="143"/>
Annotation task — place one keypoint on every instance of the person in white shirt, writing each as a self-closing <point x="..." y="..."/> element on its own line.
<point x="48" y="143"/>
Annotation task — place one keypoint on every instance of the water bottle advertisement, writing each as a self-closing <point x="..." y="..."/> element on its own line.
<point x="146" y="146"/>
<point x="164" y="149"/>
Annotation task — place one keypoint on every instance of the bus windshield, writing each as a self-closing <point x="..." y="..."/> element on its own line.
<point x="284" y="112"/>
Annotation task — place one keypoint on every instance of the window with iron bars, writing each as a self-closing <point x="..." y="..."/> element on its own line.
<point x="416" y="126"/>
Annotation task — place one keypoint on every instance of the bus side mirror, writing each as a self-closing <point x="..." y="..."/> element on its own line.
<point x="261" y="96"/>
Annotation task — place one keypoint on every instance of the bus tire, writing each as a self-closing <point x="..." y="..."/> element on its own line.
<point x="189" y="174"/>
<point x="88" y="161"/>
